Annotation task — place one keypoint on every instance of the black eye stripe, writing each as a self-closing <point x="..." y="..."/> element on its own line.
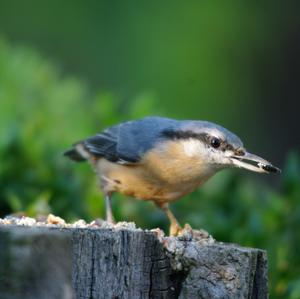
<point x="171" y="134"/>
<point x="229" y="147"/>
<point x="204" y="137"/>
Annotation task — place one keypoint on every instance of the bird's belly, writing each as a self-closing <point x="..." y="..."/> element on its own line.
<point x="141" y="188"/>
<point x="136" y="181"/>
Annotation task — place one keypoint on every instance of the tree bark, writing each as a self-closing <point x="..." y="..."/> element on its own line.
<point x="85" y="263"/>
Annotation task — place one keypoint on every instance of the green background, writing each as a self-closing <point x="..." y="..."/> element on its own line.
<point x="68" y="69"/>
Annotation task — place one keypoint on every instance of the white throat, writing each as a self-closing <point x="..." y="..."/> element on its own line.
<point x="192" y="147"/>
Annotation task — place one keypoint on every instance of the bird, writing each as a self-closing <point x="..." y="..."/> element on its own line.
<point x="162" y="159"/>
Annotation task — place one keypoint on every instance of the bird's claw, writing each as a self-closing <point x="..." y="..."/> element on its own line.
<point x="175" y="229"/>
<point x="187" y="233"/>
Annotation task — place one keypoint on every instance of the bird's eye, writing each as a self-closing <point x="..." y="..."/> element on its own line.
<point x="215" y="142"/>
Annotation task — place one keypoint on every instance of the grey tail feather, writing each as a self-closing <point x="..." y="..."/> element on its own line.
<point x="74" y="155"/>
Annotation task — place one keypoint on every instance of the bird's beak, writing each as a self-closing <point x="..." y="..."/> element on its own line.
<point x="254" y="163"/>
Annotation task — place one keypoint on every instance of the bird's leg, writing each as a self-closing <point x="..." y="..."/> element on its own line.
<point x="109" y="214"/>
<point x="175" y="227"/>
<point x="106" y="185"/>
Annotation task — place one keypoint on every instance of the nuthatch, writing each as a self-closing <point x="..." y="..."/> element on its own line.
<point x="162" y="159"/>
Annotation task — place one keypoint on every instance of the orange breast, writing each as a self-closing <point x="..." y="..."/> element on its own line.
<point x="163" y="175"/>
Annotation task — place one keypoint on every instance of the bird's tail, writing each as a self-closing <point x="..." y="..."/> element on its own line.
<point x="77" y="153"/>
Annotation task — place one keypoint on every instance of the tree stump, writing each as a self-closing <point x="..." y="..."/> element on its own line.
<point x="66" y="263"/>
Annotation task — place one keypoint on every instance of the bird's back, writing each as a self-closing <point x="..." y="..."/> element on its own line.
<point x="125" y="143"/>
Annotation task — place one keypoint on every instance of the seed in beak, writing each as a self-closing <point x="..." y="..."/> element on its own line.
<point x="269" y="168"/>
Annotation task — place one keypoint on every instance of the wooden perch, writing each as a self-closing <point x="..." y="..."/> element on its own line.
<point x="86" y="263"/>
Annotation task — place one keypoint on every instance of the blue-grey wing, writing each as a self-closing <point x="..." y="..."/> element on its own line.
<point x="104" y="144"/>
<point x="127" y="142"/>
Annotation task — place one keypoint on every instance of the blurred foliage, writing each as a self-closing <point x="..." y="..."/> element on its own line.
<point x="42" y="113"/>
<point x="233" y="62"/>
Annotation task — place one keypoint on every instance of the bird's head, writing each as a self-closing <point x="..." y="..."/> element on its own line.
<point x="217" y="147"/>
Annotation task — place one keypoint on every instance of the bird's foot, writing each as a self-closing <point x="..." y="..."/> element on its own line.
<point x="188" y="233"/>
<point x="175" y="229"/>
<point x="110" y="219"/>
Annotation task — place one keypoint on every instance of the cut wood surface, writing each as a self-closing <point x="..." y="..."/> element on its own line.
<point x="65" y="263"/>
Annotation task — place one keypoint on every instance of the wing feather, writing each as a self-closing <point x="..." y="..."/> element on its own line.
<point x="127" y="142"/>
